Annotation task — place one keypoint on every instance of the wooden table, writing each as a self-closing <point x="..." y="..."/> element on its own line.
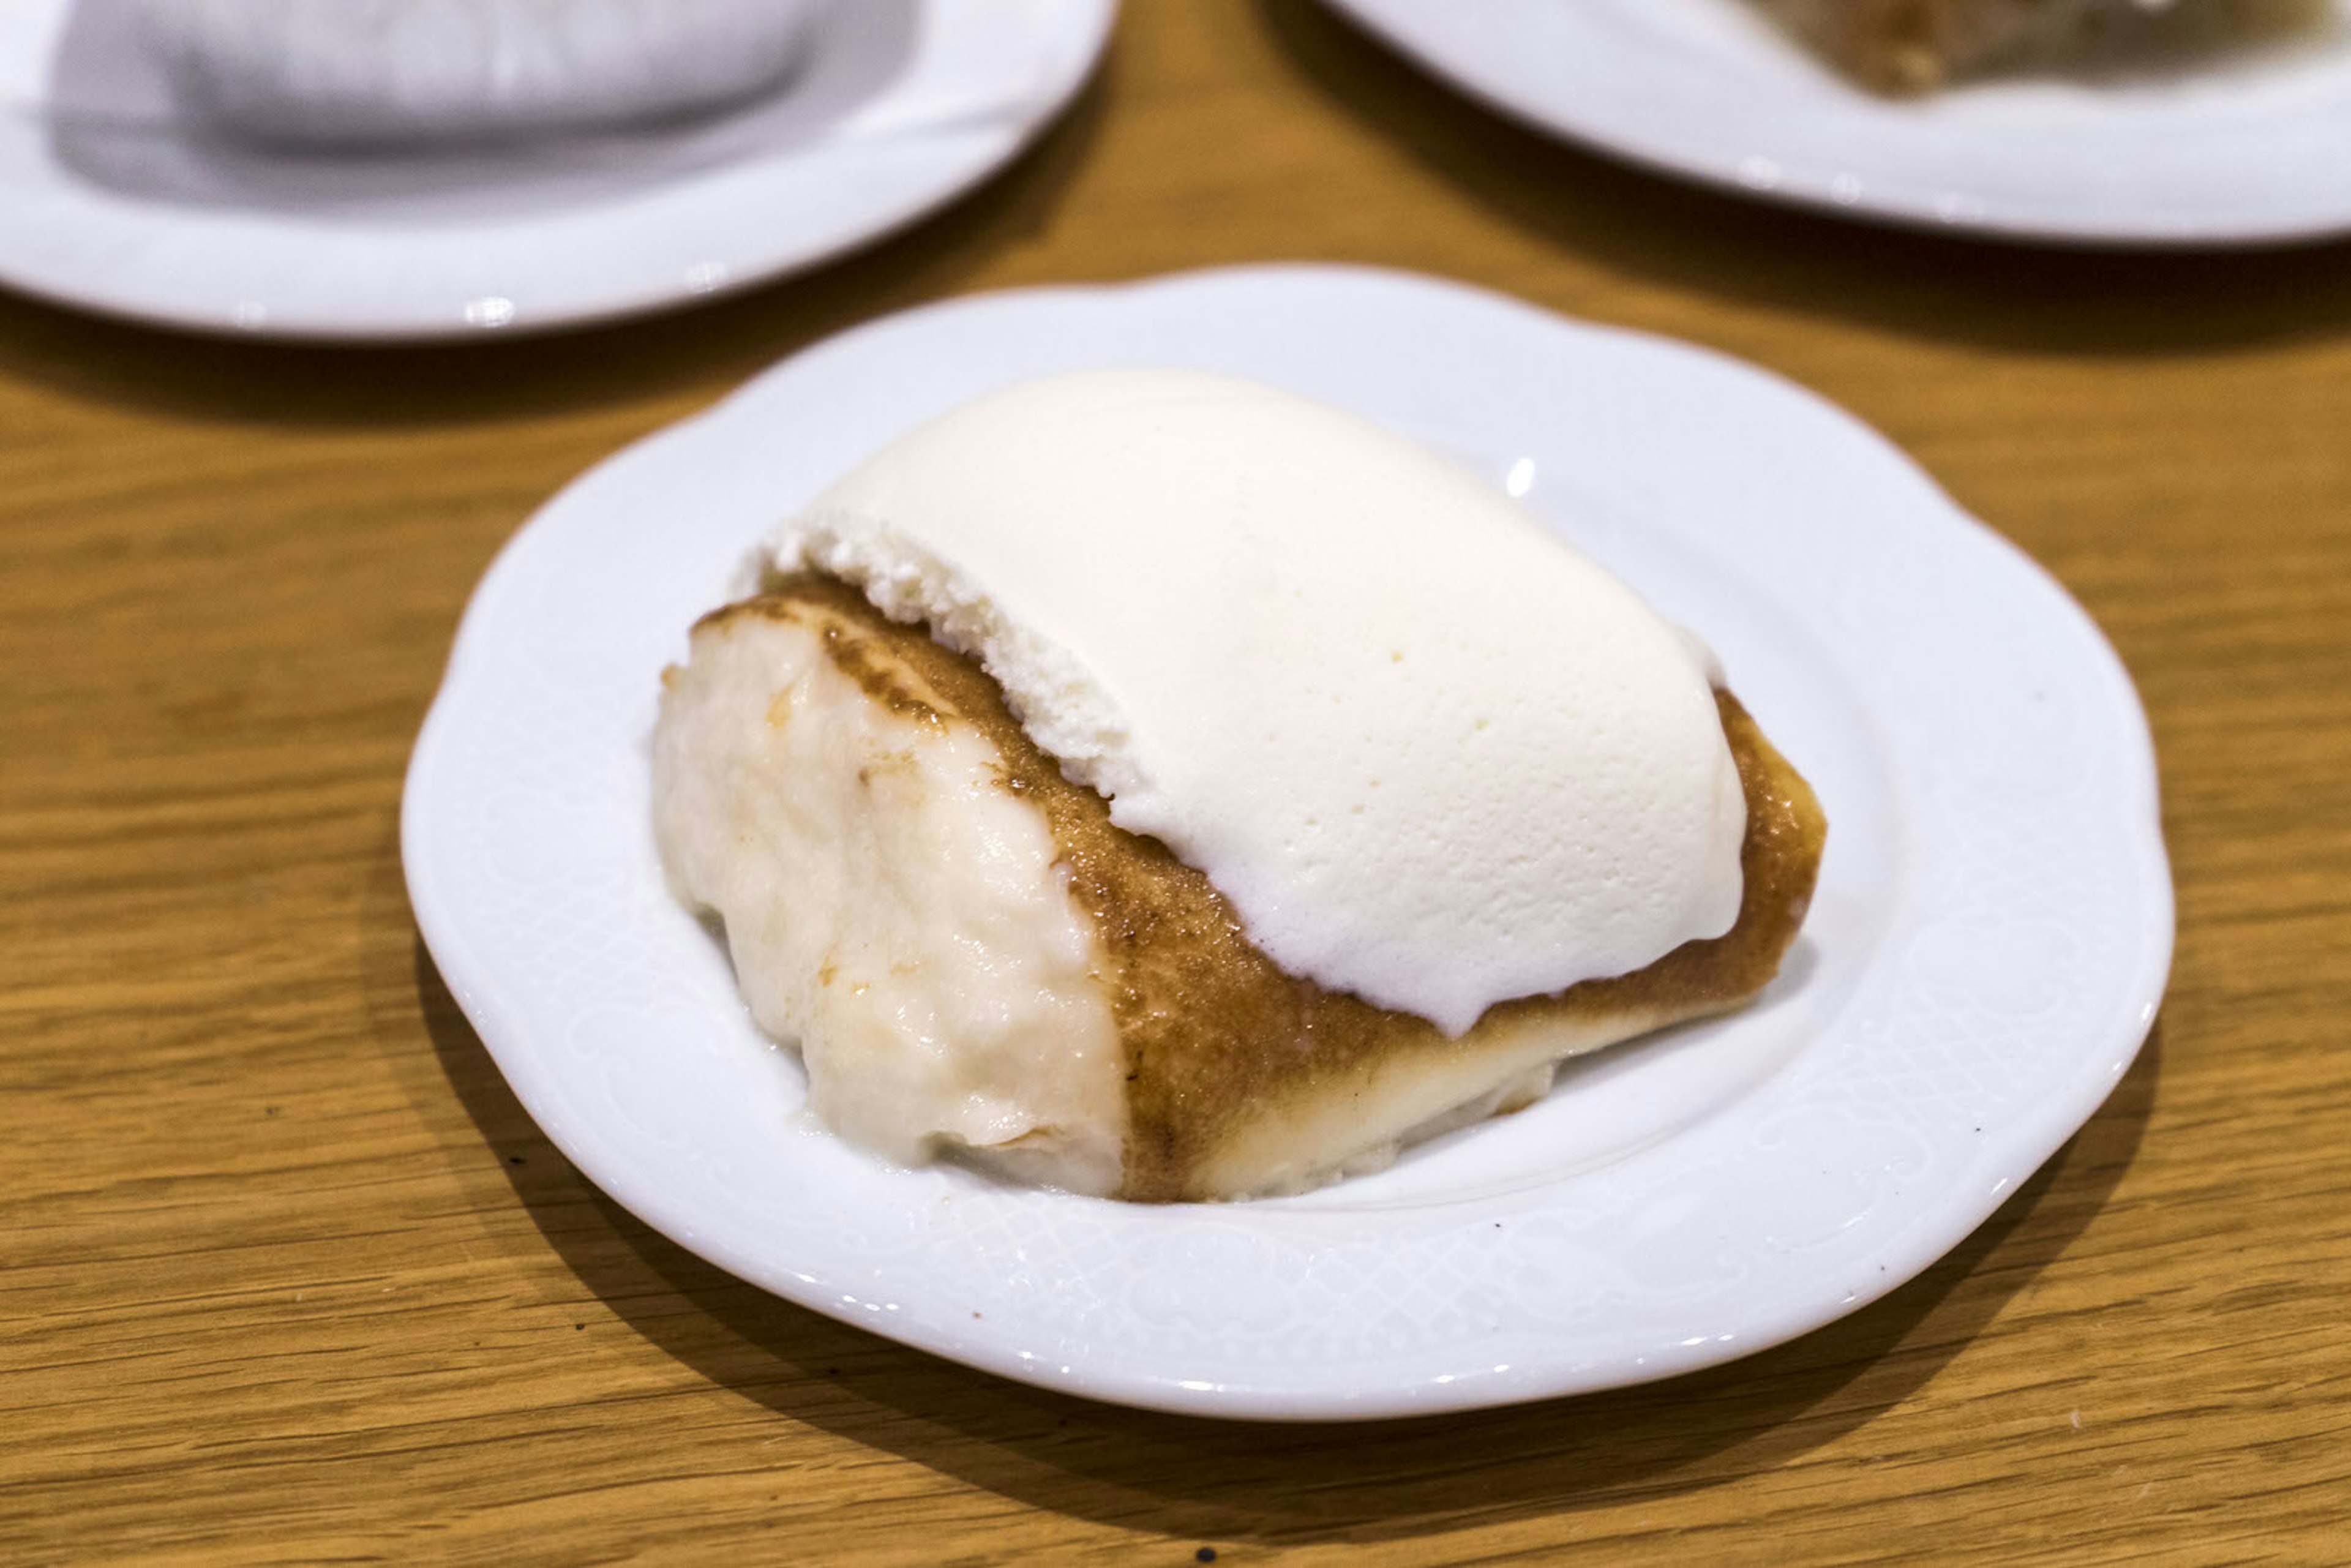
<point x="290" y="1276"/>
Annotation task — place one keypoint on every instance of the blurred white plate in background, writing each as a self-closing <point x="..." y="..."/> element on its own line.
<point x="2249" y="149"/>
<point x="112" y="202"/>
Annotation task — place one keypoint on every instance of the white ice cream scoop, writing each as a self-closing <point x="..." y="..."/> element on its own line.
<point x="384" y="72"/>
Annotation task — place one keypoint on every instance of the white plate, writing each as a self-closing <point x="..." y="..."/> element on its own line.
<point x="1984" y="956"/>
<point x="2256" y="149"/>
<point x="114" y="204"/>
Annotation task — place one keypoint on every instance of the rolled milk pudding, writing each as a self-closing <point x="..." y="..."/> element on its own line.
<point x="1161" y="785"/>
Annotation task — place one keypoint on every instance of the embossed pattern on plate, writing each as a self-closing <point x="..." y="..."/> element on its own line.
<point x="1985" y="955"/>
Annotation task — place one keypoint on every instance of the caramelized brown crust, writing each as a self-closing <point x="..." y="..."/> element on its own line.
<point x="1214" y="1029"/>
<point x="1912" y="46"/>
<point x="1915" y="45"/>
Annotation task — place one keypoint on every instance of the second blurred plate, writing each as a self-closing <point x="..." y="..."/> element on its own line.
<point x="2252" y="148"/>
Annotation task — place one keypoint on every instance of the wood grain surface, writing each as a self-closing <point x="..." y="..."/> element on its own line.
<point x="290" y="1276"/>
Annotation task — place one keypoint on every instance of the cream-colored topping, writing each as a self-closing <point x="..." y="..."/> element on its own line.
<point x="891" y="909"/>
<point x="388" y="70"/>
<point x="1432" y="756"/>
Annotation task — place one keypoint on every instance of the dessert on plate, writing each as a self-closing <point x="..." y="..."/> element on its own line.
<point x="1157" y="786"/>
<point x="1916" y="46"/>
<point x="386" y="72"/>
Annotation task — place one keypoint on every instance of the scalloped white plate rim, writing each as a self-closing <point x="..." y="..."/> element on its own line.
<point x="1294" y="324"/>
<point x="732" y="226"/>
<point x="1760" y="119"/>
